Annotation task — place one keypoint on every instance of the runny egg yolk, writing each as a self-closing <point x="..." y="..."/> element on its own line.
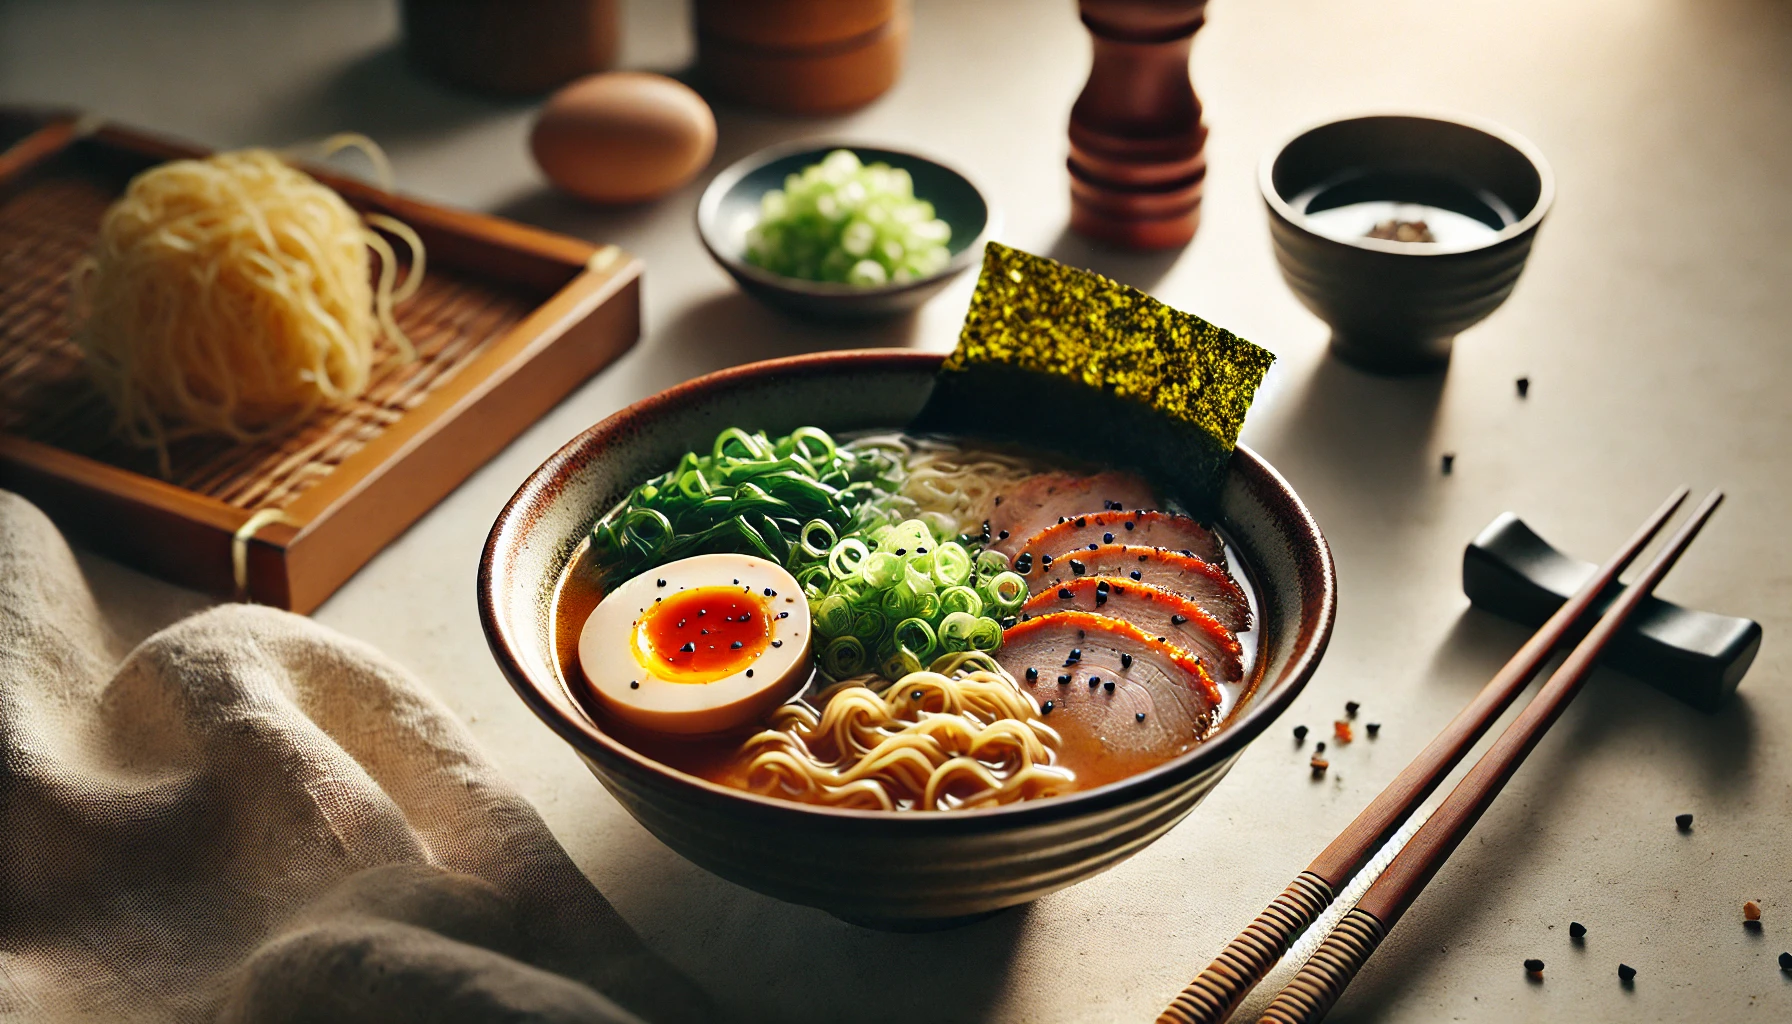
<point x="703" y="634"/>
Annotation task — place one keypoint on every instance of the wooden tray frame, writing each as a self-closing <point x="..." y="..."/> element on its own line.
<point x="591" y="317"/>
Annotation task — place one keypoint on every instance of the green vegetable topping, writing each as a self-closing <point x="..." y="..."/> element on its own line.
<point x="788" y="500"/>
<point x="901" y="597"/>
<point x="843" y="221"/>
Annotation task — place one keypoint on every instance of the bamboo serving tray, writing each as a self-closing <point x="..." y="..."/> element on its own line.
<point x="508" y="321"/>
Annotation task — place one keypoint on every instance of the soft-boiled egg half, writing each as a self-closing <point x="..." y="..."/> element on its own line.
<point x="700" y="645"/>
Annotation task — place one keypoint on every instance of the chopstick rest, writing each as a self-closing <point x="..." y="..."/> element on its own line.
<point x="1695" y="656"/>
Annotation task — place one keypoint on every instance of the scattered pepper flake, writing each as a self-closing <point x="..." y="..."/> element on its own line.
<point x="1300" y="734"/>
<point x="1373" y="728"/>
<point x="1786" y="962"/>
<point x="1351" y="707"/>
<point x="1533" y="966"/>
<point x="1683" y="822"/>
<point x="1751" y="911"/>
<point x="1576" y="930"/>
<point x="1319" y="748"/>
<point x="1626" y="973"/>
<point x="1341" y="731"/>
<point x="1319" y="765"/>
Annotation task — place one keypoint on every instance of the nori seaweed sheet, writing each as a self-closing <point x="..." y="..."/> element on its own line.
<point x="1070" y="360"/>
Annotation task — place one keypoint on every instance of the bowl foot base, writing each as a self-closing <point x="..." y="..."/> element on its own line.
<point x="1394" y="356"/>
<point x="920" y="924"/>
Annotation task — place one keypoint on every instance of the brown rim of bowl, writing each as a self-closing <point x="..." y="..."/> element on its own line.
<point x="594" y="743"/>
<point x="1546" y="183"/>
<point x="730" y="176"/>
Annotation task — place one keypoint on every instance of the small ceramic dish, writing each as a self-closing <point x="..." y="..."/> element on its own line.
<point x="1396" y="306"/>
<point x="901" y="869"/>
<point x="730" y="207"/>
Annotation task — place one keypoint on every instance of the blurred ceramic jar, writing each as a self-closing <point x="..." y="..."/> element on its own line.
<point x="511" y="47"/>
<point x="801" y="56"/>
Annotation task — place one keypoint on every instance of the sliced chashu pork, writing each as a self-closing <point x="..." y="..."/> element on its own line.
<point x="1169" y="617"/>
<point x="1039" y="501"/>
<point x="1134" y="694"/>
<point x="1207" y="585"/>
<point x="1144" y="528"/>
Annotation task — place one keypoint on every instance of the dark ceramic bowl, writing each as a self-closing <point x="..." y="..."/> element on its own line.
<point x="887" y="869"/>
<point x="730" y="206"/>
<point x="1396" y="307"/>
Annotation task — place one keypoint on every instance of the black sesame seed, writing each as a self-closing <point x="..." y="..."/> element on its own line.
<point x="777" y="643"/>
<point x="737" y="583"/>
<point x="920" y="551"/>
<point x="1125" y="660"/>
<point x="1082" y="521"/>
<point x="1107" y="538"/>
<point x="1007" y="622"/>
<point x="1627" y="973"/>
<point x="1373" y="727"/>
<point x="1094" y="547"/>
<point x="1109" y="686"/>
<point x="1032" y="674"/>
<point x="1683" y="822"/>
<point x="902" y="551"/>
<point x="703" y="611"/>
<point x="1533" y="966"/>
<point x="1102" y="586"/>
<point x="634" y="684"/>
<point x="703" y="632"/>
<point x="688" y="648"/>
<point x="1063" y="519"/>
<point x="1101" y="598"/>
<point x="1350" y="708"/>
<point x="1063" y="680"/>
<point x="769" y="592"/>
<point x="1064" y="594"/>
<point x="1134" y="574"/>
<point x="735" y="646"/>
<point x="1576" y="930"/>
<point x="1144" y="557"/>
<point x="749" y="673"/>
<point x="915" y="696"/>
<point x="1128" y="524"/>
<point x="783" y="615"/>
<point x="998" y="500"/>
<point x="1300" y="734"/>
<point x="1002" y="535"/>
<point x="1076" y="655"/>
<point x="1045" y="561"/>
<point x="1140" y="717"/>
<point x="1047" y="709"/>
<point x="1077" y="567"/>
<point x="659" y="583"/>
<point x="1177" y="620"/>
<point x="1094" y="681"/>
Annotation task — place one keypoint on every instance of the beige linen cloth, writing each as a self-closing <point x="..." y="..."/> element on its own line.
<point x="251" y="818"/>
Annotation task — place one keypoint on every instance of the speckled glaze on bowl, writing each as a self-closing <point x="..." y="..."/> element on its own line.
<point x="730" y="205"/>
<point x="883" y="869"/>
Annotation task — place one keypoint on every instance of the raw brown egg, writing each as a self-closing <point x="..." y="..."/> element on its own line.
<point x="623" y="136"/>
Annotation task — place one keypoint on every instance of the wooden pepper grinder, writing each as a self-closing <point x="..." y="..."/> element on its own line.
<point x="1136" y="137"/>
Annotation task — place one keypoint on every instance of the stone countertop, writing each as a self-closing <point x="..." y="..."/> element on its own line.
<point x="1654" y="323"/>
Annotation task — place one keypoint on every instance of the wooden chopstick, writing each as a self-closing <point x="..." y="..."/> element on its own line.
<point x="1322" y="979"/>
<point x="1217" y="991"/>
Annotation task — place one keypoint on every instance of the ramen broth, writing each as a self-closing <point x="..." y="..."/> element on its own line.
<point x="1082" y="753"/>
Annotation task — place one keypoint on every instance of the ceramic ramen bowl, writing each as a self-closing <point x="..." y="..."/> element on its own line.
<point x="901" y="869"/>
